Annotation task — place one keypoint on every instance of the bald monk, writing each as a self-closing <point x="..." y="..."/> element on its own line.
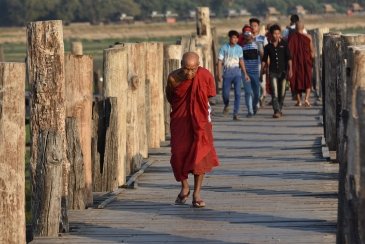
<point x="188" y="90"/>
<point x="302" y="50"/>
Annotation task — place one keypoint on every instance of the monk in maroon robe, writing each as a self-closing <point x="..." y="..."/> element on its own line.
<point x="188" y="90"/>
<point x="301" y="48"/>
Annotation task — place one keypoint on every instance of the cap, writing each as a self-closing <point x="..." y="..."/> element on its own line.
<point x="246" y="28"/>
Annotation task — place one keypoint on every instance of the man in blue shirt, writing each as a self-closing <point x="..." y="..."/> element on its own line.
<point x="230" y="64"/>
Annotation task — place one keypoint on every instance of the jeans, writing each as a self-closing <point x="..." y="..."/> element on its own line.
<point x="227" y="84"/>
<point x="278" y="87"/>
<point x="252" y="92"/>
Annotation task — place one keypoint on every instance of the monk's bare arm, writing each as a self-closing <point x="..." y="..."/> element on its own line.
<point x="313" y="53"/>
<point x="169" y="87"/>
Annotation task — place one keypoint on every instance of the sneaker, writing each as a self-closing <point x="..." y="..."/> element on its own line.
<point x="249" y="115"/>
<point x="276" y="115"/>
<point x="235" y="118"/>
<point x="226" y="110"/>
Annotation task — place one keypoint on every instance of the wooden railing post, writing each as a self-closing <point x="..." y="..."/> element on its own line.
<point x="45" y="64"/>
<point x="76" y="48"/>
<point x="115" y="81"/>
<point x="331" y="49"/>
<point x="361" y="208"/>
<point x="78" y="80"/>
<point x="137" y="96"/>
<point x="172" y="61"/>
<point x="154" y="93"/>
<point x="12" y="153"/>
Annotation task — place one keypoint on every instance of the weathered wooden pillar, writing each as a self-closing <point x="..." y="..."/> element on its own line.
<point x="45" y="67"/>
<point x="77" y="195"/>
<point x="172" y="61"/>
<point x="215" y="50"/>
<point x="154" y="93"/>
<point x="79" y="81"/>
<point x="76" y="48"/>
<point x="137" y="125"/>
<point x="12" y="153"/>
<point x="115" y="80"/>
<point x="188" y="43"/>
<point x="342" y="114"/>
<point x="331" y="48"/>
<point x="356" y="70"/>
<point x="361" y="208"/>
<point x="204" y="37"/>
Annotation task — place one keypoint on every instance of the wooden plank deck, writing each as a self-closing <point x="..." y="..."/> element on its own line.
<point x="272" y="187"/>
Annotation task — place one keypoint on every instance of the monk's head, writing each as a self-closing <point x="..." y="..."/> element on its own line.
<point x="299" y="27"/>
<point x="190" y="64"/>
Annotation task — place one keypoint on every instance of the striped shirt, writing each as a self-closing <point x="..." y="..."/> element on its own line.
<point x="251" y="58"/>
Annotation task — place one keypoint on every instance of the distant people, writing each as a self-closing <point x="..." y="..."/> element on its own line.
<point x="192" y="149"/>
<point x="302" y="51"/>
<point x="261" y="42"/>
<point x="230" y="64"/>
<point x="280" y="67"/>
<point x="266" y="75"/>
<point x="291" y="28"/>
<point x="251" y="57"/>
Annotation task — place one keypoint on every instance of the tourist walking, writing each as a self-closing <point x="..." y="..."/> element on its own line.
<point x="251" y="57"/>
<point x="230" y="66"/>
<point x="280" y="67"/>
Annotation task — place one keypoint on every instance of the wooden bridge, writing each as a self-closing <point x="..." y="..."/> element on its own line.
<point x="273" y="186"/>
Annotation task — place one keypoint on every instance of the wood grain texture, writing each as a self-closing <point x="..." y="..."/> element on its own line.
<point x="154" y="94"/>
<point x="116" y="85"/>
<point x="331" y="57"/>
<point x="12" y="153"/>
<point x="78" y="81"/>
<point x="77" y="192"/>
<point x="49" y="166"/>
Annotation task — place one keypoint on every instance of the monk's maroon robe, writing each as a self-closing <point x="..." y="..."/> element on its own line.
<point x="299" y="46"/>
<point x="192" y="149"/>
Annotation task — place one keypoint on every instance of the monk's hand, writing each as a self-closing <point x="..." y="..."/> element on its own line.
<point x="290" y="74"/>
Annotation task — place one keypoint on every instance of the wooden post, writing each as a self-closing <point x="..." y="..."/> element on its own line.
<point x="78" y="80"/>
<point x="76" y="48"/>
<point x="154" y="91"/>
<point x="331" y="46"/>
<point x="12" y="153"/>
<point x="317" y="60"/>
<point x="172" y="61"/>
<point x="77" y="195"/>
<point x="204" y="37"/>
<point x="361" y="132"/>
<point x="188" y="44"/>
<point x="115" y="80"/>
<point x="356" y="72"/>
<point x="342" y="114"/>
<point x="215" y="50"/>
<point x="137" y="125"/>
<point x="203" y="21"/>
<point x="45" y="67"/>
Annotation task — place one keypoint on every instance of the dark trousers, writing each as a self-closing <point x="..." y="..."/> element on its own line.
<point x="278" y="87"/>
